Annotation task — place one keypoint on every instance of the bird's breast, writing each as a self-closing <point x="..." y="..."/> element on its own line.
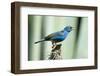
<point x="65" y="34"/>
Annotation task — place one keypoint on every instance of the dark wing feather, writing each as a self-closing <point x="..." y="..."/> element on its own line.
<point x="60" y="33"/>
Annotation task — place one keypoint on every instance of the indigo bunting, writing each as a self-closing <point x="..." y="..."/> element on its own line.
<point x="57" y="36"/>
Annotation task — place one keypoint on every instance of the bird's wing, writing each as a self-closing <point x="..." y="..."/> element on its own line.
<point x="60" y="33"/>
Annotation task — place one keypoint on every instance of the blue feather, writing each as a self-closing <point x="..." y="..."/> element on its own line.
<point x="58" y="36"/>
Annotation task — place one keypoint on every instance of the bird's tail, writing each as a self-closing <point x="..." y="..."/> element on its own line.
<point x="39" y="41"/>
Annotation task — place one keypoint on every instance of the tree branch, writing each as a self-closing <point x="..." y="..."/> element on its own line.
<point x="56" y="52"/>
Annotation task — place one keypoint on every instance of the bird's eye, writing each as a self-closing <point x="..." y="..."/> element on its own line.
<point x="70" y="27"/>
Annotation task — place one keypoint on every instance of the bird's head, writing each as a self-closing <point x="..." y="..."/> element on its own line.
<point x="68" y="28"/>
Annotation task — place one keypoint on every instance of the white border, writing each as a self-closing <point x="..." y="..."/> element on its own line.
<point x="25" y="64"/>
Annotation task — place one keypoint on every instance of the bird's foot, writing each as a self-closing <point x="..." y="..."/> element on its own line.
<point x="54" y="46"/>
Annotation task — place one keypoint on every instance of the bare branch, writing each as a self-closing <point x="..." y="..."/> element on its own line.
<point x="56" y="52"/>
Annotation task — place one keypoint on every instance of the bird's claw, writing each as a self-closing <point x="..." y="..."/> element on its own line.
<point x="54" y="46"/>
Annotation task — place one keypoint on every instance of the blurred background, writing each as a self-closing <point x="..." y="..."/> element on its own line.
<point x="75" y="46"/>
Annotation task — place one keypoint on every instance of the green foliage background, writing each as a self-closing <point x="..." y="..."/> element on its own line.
<point x="75" y="46"/>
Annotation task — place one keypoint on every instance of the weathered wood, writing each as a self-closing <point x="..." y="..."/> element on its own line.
<point x="56" y="52"/>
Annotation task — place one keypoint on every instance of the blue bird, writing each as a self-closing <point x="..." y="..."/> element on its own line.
<point x="57" y="36"/>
